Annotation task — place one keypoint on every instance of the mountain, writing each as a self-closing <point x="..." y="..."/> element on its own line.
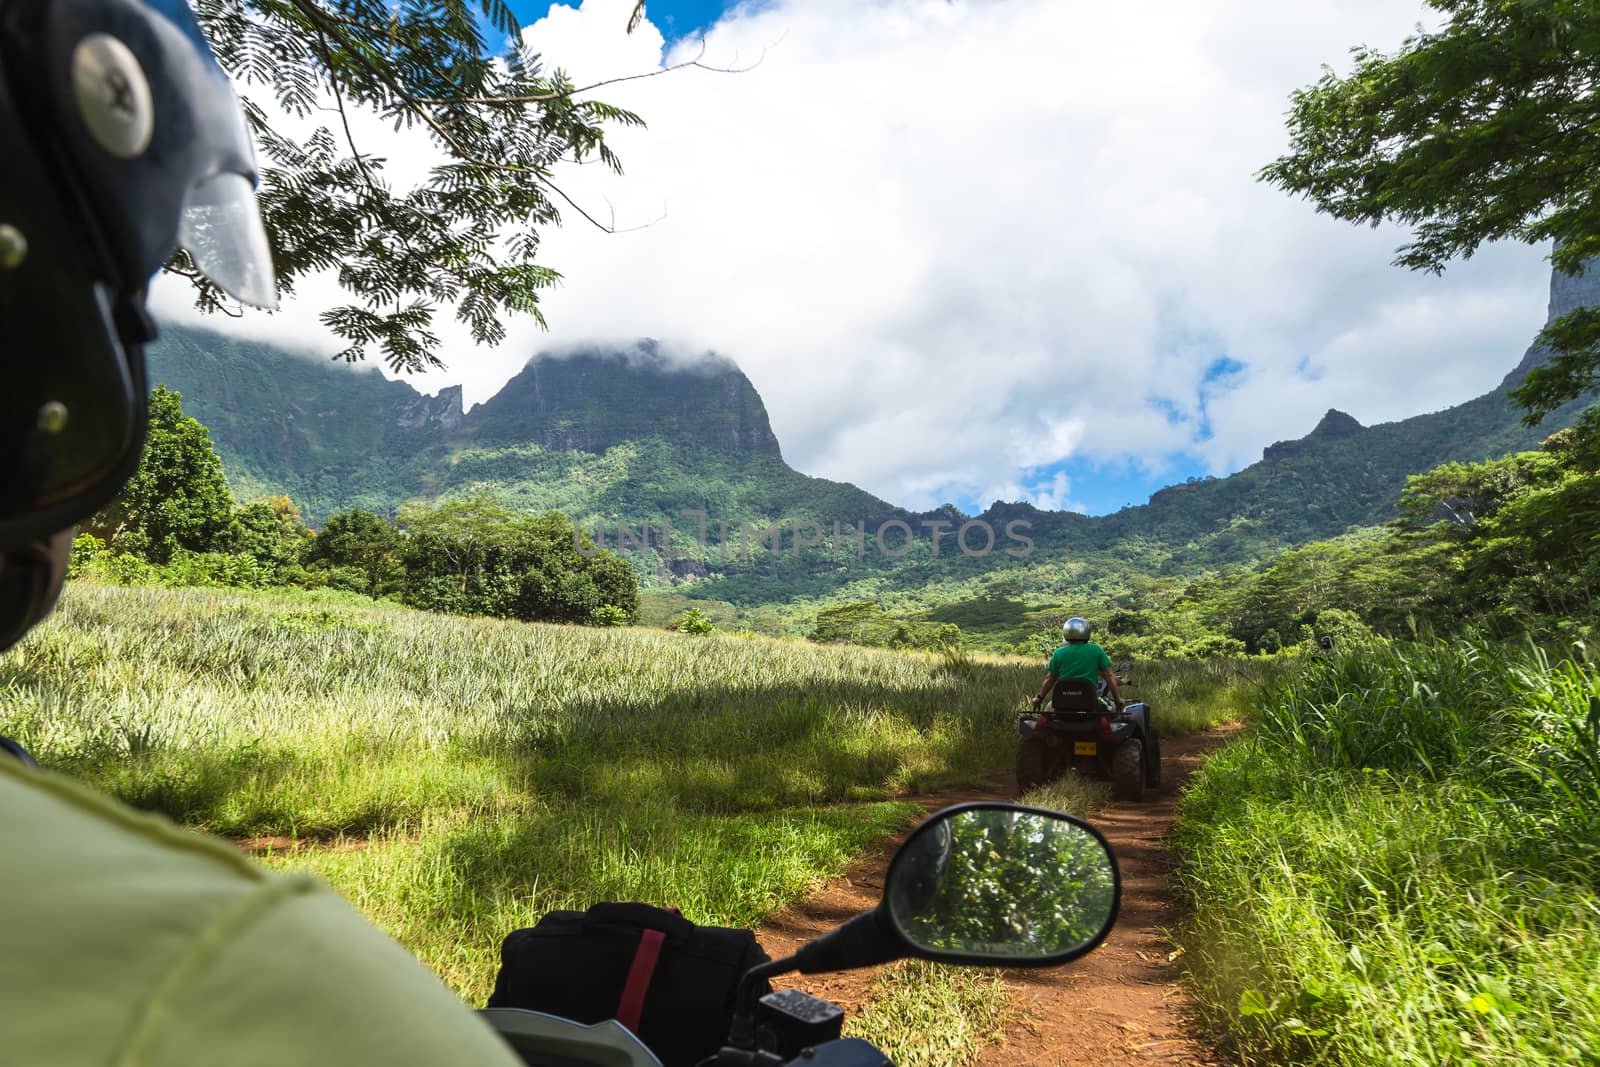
<point x="623" y="435"/>
<point x="631" y="436"/>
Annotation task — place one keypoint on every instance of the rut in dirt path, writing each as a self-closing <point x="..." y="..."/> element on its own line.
<point x="1122" y="1003"/>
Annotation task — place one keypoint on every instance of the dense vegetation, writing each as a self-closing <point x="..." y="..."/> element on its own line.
<point x="627" y="439"/>
<point x="175" y="523"/>
<point x="1399" y="864"/>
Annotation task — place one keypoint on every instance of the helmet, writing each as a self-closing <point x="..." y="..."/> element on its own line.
<point x="1075" y="629"/>
<point x="122" y="139"/>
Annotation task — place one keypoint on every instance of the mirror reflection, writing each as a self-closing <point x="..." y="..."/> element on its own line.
<point x="1002" y="883"/>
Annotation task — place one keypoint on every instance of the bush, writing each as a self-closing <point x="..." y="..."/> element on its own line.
<point x="88" y="554"/>
<point x="1212" y="646"/>
<point x="609" y="615"/>
<point x="127" y="570"/>
<point x="695" y="621"/>
<point x="214" y="568"/>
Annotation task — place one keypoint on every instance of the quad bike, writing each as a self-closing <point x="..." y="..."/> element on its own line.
<point x="1082" y="732"/>
<point x="988" y="884"/>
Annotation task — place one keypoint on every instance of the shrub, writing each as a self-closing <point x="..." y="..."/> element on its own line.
<point x="88" y="553"/>
<point x="609" y="615"/>
<point x="695" y="621"/>
<point x="127" y="570"/>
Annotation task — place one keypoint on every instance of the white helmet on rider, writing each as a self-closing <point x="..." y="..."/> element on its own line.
<point x="1075" y="630"/>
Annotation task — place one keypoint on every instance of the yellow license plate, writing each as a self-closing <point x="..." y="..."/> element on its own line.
<point x="1084" y="748"/>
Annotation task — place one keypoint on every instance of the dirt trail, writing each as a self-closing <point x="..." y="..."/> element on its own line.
<point x="1123" y="1002"/>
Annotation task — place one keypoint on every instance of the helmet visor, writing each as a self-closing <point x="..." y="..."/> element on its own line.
<point x="222" y="232"/>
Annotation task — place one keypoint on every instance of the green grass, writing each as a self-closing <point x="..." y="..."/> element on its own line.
<point x="251" y="714"/>
<point x="1400" y="864"/>
<point x="457" y="778"/>
<point x="483" y="772"/>
<point x="1192" y="694"/>
<point x="452" y="892"/>
<point x="926" y="1015"/>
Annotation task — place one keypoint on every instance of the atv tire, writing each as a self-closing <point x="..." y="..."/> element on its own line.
<point x="1033" y="764"/>
<point x="1127" y="770"/>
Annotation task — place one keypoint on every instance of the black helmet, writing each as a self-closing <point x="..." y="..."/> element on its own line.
<point x="121" y="139"/>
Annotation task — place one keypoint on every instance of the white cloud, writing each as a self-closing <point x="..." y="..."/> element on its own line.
<point x="1051" y="494"/>
<point x="953" y="243"/>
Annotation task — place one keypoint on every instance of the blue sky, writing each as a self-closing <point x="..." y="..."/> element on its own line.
<point x="674" y="18"/>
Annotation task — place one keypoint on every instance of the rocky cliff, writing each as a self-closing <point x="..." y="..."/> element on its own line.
<point x="1568" y="293"/>
<point x="591" y="399"/>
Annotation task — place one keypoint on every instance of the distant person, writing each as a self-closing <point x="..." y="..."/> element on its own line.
<point x="126" y="939"/>
<point x="1079" y="658"/>
<point x="1325" y="643"/>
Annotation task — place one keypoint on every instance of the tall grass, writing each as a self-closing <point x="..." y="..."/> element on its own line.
<point x="1193" y="694"/>
<point x="253" y="715"/>
<point x="482" y="772"/>
<point x="1402" y="863"/>
<point x="456" y="778"/>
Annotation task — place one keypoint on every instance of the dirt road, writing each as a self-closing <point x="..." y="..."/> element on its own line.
<point x="1122" y="1003"/>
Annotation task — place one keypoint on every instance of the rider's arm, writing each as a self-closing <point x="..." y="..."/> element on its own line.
<point x="1110" y="677"/>
<point x="129" y="940"/>
<point x="1044" y="690"/>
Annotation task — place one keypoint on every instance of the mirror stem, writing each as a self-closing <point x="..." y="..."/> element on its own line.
<point x="863" y="941"/>
<point x="742" y="1031"/>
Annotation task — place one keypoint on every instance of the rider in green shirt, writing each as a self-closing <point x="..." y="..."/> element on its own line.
<point x="1080" y="658"/>
<point x="125" y="940"/>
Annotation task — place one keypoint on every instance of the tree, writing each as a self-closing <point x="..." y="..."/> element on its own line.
<point x="178" y="497"/>
<point x="555" y="581"/>
<point x="1002" y="884"/>
<point x="1481" y="131"/>
<point x="368" y="544"/>
<point x="455" y="537"/>
<point x="467" y="237"/>
<point x="271" y="531"/>
<point x="475" y="557"/>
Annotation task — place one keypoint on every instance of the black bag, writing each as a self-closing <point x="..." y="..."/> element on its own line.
<point x="669" y="981"/>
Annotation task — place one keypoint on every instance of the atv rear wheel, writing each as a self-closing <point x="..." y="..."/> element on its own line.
<point x="1127" y="770"/>
<point x="1033" y="764"/>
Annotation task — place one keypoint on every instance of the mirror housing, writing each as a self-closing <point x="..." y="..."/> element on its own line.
<point x="1001" y="885"/>
<point x="986" y="884"/>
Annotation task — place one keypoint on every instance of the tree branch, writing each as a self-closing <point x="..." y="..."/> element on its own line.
<point x="544" y="98"/>
<point x="344" y="119"/>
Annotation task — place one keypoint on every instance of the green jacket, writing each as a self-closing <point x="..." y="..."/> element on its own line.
<point x="128" y="942"/>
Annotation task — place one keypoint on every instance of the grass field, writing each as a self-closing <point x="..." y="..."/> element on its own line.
<point x="457" y="778"/>
<point x="1400" y="864"/>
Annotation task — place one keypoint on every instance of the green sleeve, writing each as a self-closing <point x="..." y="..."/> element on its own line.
<point x="1105" y="660"/>
<point x="1051" y="664"/>
<point x="134" y="943"/>
<point x="355" y="998"/>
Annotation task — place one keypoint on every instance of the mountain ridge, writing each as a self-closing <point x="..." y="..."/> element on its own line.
<point x="631" y="436"/>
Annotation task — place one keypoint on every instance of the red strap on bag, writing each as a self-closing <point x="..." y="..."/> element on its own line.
<point x="638" y="984"/>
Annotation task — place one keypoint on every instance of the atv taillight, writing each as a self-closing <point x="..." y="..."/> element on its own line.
<point x="1105" y="726"/>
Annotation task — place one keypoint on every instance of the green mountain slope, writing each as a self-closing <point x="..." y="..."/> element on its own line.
<point x="631" y="437"/>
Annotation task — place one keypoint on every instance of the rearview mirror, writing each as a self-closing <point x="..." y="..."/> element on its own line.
<point x="1002" y="885"/>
